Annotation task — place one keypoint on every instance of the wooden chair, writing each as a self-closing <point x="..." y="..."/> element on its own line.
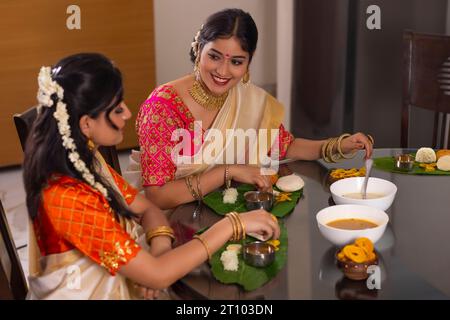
<point x="12" y="279"/>
<point x="426" y="81"/>
<point x="24" y="121"/>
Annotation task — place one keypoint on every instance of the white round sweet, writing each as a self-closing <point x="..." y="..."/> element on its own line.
<point x="425" y="155"/>
<point x="290" y="183"/>
<point x="444" y="163"/>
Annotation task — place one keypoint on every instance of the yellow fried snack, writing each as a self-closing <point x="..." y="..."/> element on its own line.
<point x="343" y="173"/>
<point x="428" y="166"/>
<point x="275" y="243"/>
<point x="365" y="244"/>
<point x="371" y="256"/>
<point x="283" y="196"/>
<point x="355" y="253"/>
<point x="360" y="251"/>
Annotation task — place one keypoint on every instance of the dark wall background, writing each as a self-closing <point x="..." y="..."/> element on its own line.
<point x="347" y="78"/>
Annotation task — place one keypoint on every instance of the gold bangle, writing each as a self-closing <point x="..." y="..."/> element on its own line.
<point x="332" y="157"/>
<point x="238" y="226"/>
<point x="339" y="149"/>
<point x="233" y="225"/>
<point x="205" y="244"/>
<point x="323" y="149"/>
<point x="371" y="139"/>
<point x="243" y="233"/>
<point x="159" y="231"/>
<point x="199" y="191"/>
<point x="226" y="178"/>
<point x="188" y="181"/>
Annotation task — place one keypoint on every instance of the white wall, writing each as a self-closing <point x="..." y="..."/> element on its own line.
<point x="177" y="22"/>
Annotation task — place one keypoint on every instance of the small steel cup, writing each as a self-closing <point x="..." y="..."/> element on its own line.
<point x="258" y="254"/>
<point x="258" y="200"/>
<point x="404" y="162"/>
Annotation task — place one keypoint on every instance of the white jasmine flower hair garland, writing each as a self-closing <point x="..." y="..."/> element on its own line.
<point x="195" y="44"/>
<point x="47" y="87"/>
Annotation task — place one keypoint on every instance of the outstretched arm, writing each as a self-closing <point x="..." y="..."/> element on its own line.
<point x="160" y="272"/>
<point x="305" y="149"/>
<point x="176" y="192"/>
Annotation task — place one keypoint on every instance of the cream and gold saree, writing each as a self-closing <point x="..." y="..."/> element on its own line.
<point x="247" y="107"/>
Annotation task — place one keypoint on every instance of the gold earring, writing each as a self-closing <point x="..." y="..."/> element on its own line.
<point x="197" y="69"/>
<point x="246" y="77"/>
<point x="90" y="144"/>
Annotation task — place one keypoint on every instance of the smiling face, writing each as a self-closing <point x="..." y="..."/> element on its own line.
<point x="100" y="131"/>
<point x="222" y="64"/>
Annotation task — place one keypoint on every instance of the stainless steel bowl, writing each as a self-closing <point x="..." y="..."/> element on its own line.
<point x="258" y="254"/>
<point x="258" y="200"/>
<point x="404" y="162"/>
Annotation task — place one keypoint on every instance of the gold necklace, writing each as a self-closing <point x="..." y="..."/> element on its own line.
<point x="201" y="94"/>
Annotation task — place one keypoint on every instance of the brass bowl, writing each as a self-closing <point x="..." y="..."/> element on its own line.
<point x="258" y="254"/>
<point x="258" y="200"/>
<point x="404" y="162"/>
<point x="354" y="270"/>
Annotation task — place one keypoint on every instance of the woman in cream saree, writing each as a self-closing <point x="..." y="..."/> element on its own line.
<point x="219" y="97"/>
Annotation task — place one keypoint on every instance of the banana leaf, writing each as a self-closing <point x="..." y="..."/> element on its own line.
<point x="388" y="164"/>
<point x="250" y="278"/>
<point x="214" y="200"/>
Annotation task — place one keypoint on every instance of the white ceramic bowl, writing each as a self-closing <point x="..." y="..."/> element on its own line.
<point x="374" y="185"/>
<point x="342" y="237"/>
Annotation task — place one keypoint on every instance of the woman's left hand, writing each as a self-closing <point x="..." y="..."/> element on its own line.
<point x="158" y="246"/>
<point x="149" y="294"/>
<point x="355" y="142"/>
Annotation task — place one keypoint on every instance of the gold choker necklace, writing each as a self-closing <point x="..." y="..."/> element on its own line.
<point x="205" y="98"/>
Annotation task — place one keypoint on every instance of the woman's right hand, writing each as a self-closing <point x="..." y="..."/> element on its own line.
<point x="251" y="175"/>
<point x="262" y="223"/>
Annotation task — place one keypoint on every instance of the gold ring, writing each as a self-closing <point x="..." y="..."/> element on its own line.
<point x="274" y="218"/>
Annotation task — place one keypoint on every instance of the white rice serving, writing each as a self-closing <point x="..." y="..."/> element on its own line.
<point x="230" y="260"/>
<point x="425" y="155"/>
<point x="230" y="195"/>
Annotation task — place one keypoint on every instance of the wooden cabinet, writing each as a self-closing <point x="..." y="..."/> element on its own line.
<point x="35" y="33"/>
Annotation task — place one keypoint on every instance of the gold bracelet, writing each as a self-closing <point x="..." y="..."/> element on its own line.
<point x="199" y="191"/>
<point x="238" y="218"/>
<point x="339" y="149"/>
<point x="159" y="231"/>
<point x="371" y="139"/>
<point x="323" y="149"/>
<point x="233" y="225"/>
<point x="238" y="225"/>
<point x="333" y="157"/>
<point x="205" y="244"/>
<point x="226" y="178"/>
<point x="188" y="181"/>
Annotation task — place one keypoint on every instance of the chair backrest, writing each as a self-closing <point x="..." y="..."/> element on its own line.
<point x="12" y="279"/>
<point x="426" y="80"/>
<point x="24" y="121"/>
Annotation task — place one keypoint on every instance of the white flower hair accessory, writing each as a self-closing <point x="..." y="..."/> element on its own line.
<point x="195" y="43"/>
<point x="48" y="87"/>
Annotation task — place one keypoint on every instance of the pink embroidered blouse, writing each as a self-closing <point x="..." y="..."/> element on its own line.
<point x="158" y="117"/>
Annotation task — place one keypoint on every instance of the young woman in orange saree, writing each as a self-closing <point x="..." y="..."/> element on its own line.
<point x="86" y="219"/>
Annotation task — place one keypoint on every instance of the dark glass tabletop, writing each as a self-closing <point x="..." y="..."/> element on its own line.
<point x="414" y="251"/>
